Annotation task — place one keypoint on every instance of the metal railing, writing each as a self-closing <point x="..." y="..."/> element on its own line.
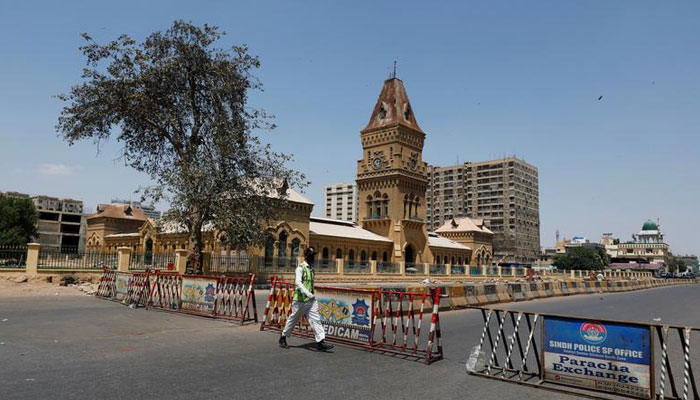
<point x="415" y="268"/>
<point x="276" y="265"/>
<point x="13" y="257"/>
<point x="326" y="267"/>
<point x="357" y="267"/>
<point x="229" y="263"/>
<point x="55" y="258"/>
<point x="438" y="269"/>
<point x="458" y="270"/>
<point x="506" y="271"/>
<point x="385" y="267"/>
<point x="152" y="261"/>
<point x="475" y="270"/>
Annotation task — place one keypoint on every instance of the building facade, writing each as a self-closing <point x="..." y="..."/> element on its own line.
<point x="341" y="202"/>
<point x="503" y="192"/>
<point x="61" y="224"/>
<point x="647" y="246"/>
<point x="391" y="186"/>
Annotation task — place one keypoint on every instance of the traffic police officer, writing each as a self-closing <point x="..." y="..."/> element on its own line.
<point x="305" y="303"/>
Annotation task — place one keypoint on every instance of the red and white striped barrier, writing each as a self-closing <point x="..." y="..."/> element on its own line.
<point x="139" y="291"/>
<point x="106" y="286"/>
<point x="235" y="299"/>
<point x="393" y="322"/>
<point x="216" y="297"/>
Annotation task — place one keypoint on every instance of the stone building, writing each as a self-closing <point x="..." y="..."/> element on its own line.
<point x="471" y="233"/>
<point x="391" y="185"/>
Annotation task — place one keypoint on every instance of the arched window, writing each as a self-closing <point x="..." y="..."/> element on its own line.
<point x="295" y="250"/>
<point x="374" y="256"/>
<point x="325" y="253"/>
<point x="338" y="253"/>
<point x="385" y="257"/>
<point x="269" y="248"/>
<point x="363" y="256"/>
<point x="282" y="246"/>
<point x="351" y="255"/>
<point x="405" y="204"/>
<point x="459" y="261"/>
<point x="386" y="205"/>
<point x="437" y="261"/>
<point x="453" y="261"/>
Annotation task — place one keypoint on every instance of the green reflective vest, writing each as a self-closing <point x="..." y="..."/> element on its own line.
<point x="307" y="279"/>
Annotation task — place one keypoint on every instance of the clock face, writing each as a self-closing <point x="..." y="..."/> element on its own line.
<point x="377" y="163"/>
<point x="413" y="163"/>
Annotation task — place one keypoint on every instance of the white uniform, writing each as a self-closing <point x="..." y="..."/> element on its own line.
<point x="301" y="308"/>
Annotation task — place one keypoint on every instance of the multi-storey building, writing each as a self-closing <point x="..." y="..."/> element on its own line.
<point x="503" y="192"/>
<point x="341" y="201"/>
<point x="61" y="222"/>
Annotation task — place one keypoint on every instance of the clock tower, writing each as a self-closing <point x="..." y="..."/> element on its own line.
<point x="392" y="176"/>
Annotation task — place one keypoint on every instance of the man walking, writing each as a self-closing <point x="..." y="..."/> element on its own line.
<point x="305" y="303"/>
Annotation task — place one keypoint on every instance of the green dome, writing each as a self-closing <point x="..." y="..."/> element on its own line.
<point x="650" y="226"/>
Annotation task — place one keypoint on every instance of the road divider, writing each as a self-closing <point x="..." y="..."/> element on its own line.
<point x="484" y="293"/>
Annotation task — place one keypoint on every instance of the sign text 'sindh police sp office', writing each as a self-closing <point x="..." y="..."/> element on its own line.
<point x="612" y="357"/>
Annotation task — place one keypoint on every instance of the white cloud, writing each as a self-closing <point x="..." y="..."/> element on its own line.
<point x="57" y="169"/>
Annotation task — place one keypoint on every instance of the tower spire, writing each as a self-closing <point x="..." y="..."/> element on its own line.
<point x="392" y="107"/>
<point x="394" y="76"/>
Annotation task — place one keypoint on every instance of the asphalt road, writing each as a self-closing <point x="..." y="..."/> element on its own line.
<point x="82" y="347"/>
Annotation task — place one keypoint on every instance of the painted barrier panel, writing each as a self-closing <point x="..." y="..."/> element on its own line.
<point x="611" y="356"/>
<point x="198" y="294"/>
<point x="345" y="314"/>
<point x="121" y="285"/>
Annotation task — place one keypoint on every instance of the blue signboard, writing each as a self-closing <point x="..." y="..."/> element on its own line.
<point x="612" y="357"/>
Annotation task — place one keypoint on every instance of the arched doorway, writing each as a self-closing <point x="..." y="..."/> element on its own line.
<point x="148" y="253"/>
<point x="409" y="255"/>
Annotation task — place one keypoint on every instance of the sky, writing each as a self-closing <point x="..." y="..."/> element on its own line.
<point x="485" y="79"/>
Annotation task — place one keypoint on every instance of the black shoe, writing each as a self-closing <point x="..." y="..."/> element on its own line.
<point x="323" y="346"/>
<point x="283" y="342"/>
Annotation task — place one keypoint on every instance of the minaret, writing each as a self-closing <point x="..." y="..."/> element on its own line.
<point x="392" y="176"/>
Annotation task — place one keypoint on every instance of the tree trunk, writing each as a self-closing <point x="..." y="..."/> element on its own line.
<point x="195" y="248"/>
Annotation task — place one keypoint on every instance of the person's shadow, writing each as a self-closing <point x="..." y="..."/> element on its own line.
<point x="310" y="346"/>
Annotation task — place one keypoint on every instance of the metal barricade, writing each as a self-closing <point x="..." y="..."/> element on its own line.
<point x="513" y="346"/>
<point x="166" y="291"/>
<point x="234" y="298"/>
<point x="139" y="291"/>
<point x="106" y="286"/>
<point x="396" y="325"/>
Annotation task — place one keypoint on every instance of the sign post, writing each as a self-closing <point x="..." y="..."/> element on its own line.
<point x="606" y="356"/>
